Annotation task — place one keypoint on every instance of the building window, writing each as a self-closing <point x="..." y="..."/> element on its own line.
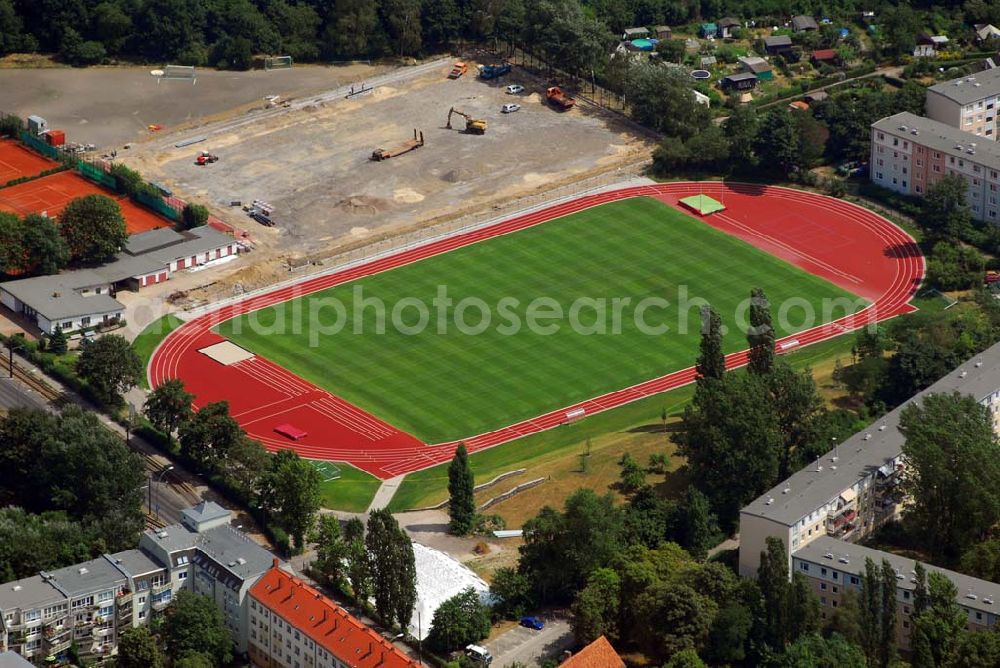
<point x="85" y="321"/>
<point x="804" y="566"/>
<point x="906" y="595"/>
<point x="822" y="600"/>
<point x="822" y="585"/>
<point x="854" y="579"/>
<point x="182" y="575"/>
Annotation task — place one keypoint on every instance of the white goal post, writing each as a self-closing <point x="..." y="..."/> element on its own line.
<point x="180" y="73"/>
<point x="278" y="63"/>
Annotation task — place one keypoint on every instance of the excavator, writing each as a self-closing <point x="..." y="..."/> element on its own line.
<point x="473" y="126"/>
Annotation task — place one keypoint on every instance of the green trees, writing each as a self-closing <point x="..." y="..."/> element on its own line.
<point x="461" y="493"/>
<point x="944" y="214"/>
<point x="137" y="648"/>
<point x="632" y="476"/>
<point x="595" y="610"/>
<point x="711" y="359"/>
<point x="760" y="334"/>
<point x="110" y="367"/>
<point x="661" y="99"/>
<point x="938" y="626"/>
<point x="358" y="569"/>
<point x="58" y="343"/>
<point x="331" y="549"/>
<point x="790" y="610"/>
<point x="209" y="436"/>
<point x="169" y="406"/>
<point x="511" y="592"/>
<point x="194" y="627"/>
<point x="194" y="215"/>
<point x="951" y="266"/>
<point x="31" y="245"/>
<point x="815" y="651"/>
<point x="459" y="621"/>
<point x="391" y="564"/>
<point x="953" y="472"/>
<point x="93" y="227"/>
<point x="878" y="613"/>
<point x="292" y="494"/>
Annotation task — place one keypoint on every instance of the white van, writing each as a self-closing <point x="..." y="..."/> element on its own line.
<point x="479" y="654"/>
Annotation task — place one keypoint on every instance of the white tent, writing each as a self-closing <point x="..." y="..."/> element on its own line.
<point x="439" y="577"/>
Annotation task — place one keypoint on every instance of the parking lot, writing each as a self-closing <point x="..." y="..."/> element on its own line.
<point x="530" y="647"/>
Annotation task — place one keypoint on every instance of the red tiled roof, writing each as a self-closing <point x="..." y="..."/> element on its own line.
<point x="825" y="54"/>
<point x="326" y="623"/>
<point x="598" y="654"/>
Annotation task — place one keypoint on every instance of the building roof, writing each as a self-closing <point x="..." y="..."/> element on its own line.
<point x="803" y="22"/>
<point x="88" y="577"/>
<point x="598" y="654"/>
<point x="755" y="64"/>
<point x="817" y="552"/>
<point x="206" y="511"/>
<point x="28" y="594"/>
<point x="326" y="623"/>
<point x="987" y="30"/>
<point x="135" y="563"/>
<point x="821" y="482"/>
<point x="941" y="137"/>
<point x="729" y="22"/>
<point x="152" y="240"/>
<point x="11" y="659"/>
<point x="777" y="40"/>
<point x="634" y="32"/>
<point x="816" y="96"/>
<point x="236" y="557"/>
<point x="824" y="54"/>
<point x="740" y="76"/>
<point x="799" y="104"/>
<point x="171" y="538"/>
<point x="56" y="297"/>
<point x="965" y="90"/>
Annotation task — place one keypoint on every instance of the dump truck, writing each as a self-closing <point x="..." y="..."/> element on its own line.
<point x="473" y="126"/>
<point x="457" y="70"/>
<point x="381" y="154"/>
<point x="558" y="99"/>
<point x="493" y="71"/>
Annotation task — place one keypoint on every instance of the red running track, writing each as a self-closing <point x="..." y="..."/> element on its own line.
<point x="845" y="244"/>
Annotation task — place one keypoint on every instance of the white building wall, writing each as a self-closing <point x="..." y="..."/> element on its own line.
<point x="754" y="531"/>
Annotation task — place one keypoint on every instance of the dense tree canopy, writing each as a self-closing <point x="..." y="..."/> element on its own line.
<point x="93" y="227"/>
<point x="110" y="366"/>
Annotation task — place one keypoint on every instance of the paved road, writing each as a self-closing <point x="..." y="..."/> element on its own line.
<point x="14" y="394"/>
<point x="530" y="647"/>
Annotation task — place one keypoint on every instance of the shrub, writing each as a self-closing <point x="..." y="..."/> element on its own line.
<point x="194" y="215"/>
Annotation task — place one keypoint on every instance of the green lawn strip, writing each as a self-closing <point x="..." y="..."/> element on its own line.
<point x="429" y="486"/>
<point x="150" y="337"/>
<point x="352" y="492"/>
<point x="445" y="387"/>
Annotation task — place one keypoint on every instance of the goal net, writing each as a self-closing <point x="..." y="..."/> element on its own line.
<point x="278" y="63"/>
<point x="179" y="72"/>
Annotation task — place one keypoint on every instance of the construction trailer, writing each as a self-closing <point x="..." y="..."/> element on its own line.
<point x="493" y="71"/>
<point x="381" y="154"/>
<point x="473" y="126"/>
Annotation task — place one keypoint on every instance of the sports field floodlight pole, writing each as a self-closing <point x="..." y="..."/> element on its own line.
<point x="159" y="479"/>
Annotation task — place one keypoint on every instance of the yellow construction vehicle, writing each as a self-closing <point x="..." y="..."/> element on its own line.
<point x="474" y="126"/>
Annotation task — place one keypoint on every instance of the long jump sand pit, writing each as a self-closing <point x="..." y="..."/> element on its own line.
<point x="313" y="163"/>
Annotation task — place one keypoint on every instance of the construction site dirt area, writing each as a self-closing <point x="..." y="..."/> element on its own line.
<point x="318" y="163"/>
<point x="51" y="194"/>
<point x="109" y="106"/>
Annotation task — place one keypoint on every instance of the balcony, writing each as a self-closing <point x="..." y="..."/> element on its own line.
<point x="103" y="631"/>
<point x="161" y="603"/>
<point x="60" y="646"/>
<point x="159" y="589"/>
<point x="51" y="633"/>
<point x="125" y="598"/>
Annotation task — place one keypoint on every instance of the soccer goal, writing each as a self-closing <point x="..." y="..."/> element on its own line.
<point x="278" y="63"/>
<point x="179" y="73"/>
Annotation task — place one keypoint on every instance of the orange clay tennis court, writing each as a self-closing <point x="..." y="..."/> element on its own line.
<point x="17" y="161"/>
<point x="52" y="193"/>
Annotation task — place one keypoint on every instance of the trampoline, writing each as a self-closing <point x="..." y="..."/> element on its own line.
<point x="701" y="75"/>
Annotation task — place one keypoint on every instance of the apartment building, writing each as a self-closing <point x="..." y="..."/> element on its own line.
<point x="832" y="568"/>
<point x="967" y="103"/>
<point x="93" y="603"/>
<point x="852" y="490"/>
<point x="910" y="153"/>
<point x="294" y="626"/>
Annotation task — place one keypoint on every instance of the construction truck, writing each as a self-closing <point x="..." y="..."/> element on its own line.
<point x="473" y="126"/>
<point x="205" y="158"/>
<point x="381" y="154"/>
<point x="493" y="71"/>
<point x="457" y="70"/>
<point x="558" y="99"/>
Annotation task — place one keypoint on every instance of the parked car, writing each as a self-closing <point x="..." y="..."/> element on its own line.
<point x="479" y="654"/>
<point x="532" y="623"/>
<point x="514" y="89"/>
<point x="510" y="108"/>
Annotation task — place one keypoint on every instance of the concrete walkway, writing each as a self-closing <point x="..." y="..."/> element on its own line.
<point x="385" y="493"/>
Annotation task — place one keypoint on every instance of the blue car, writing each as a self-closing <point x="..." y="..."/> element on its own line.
<point x="532" y="623"/>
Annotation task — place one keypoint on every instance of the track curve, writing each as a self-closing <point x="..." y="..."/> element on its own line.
<point x="850" y="246"/>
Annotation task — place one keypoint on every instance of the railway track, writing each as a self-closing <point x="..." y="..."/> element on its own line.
<point x="45" y="390"/>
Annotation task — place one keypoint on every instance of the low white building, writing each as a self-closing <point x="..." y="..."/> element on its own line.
<point x="85" y="298"/>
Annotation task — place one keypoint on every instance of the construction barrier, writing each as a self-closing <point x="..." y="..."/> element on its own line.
<point x="36" y="144"/>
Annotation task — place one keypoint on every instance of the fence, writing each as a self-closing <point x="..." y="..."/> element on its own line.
<point x="39" y="145"/>
<point x="98" y="173"/>
<point x="157" y="204"/>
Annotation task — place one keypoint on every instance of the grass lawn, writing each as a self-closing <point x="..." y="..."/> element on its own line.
<point x="442" y="384"/>
<point x="150" y="337"/>
<point x="634" y="427"/>
<point x="352" y="491"/>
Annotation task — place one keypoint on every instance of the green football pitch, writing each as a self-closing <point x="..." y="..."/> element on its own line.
<point x="444" y="384"/>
